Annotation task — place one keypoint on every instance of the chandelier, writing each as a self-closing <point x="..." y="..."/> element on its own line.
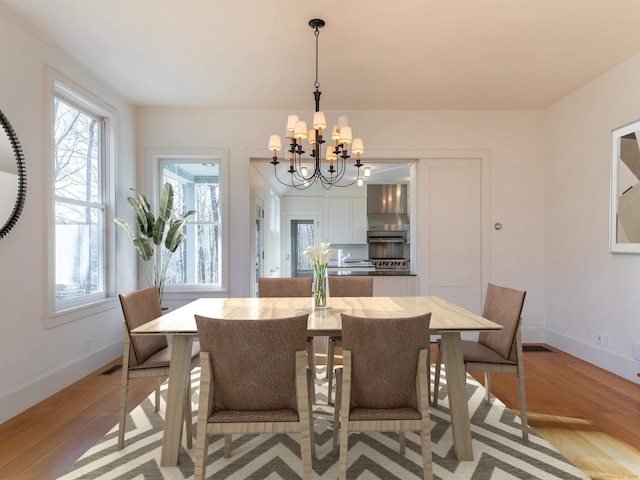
<point x="328" y="170"/>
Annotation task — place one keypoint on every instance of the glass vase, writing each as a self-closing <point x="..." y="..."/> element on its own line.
<point x="320" y="287"/>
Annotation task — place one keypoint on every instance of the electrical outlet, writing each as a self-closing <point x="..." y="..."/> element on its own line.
<point x="89" y="343"/>
<point x="599" y="338"/>
<point x="606" y="341"/>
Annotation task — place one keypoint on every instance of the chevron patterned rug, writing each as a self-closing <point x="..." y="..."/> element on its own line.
<point x="498" y="450"/>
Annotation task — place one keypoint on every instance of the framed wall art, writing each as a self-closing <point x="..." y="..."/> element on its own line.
<point x="624" y="225"/>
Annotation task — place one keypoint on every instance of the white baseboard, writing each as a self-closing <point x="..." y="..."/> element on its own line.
<point x="35" y="390"/>
<point x="533" y="335"/>
<point x="601" y="357"/>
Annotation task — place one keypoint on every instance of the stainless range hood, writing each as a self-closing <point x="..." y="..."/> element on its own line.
<point x="387" y="208"/>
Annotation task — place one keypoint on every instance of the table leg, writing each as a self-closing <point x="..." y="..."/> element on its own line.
<point x="456" y="388"/>
<point x="179" y="373"/>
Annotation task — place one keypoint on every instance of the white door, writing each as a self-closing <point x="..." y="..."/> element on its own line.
<point x="450" y="230"/>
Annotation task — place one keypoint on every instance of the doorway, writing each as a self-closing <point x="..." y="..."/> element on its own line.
<point x="302" y="236"/>
<point x="258" y="247"/>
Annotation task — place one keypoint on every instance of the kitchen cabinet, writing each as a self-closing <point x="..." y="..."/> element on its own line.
<point x="346" y="220"/>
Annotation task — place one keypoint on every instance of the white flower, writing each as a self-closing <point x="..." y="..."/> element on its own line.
<point x="322" y="256"/>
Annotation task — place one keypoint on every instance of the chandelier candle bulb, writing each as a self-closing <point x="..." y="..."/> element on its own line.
<point x="291" y="122"/>
<point x="357" y="147"/>
<point x="311" y="136"/>
<point x="275" y="143"/>
<point x="319" y="122"/>
<point x="300" y="130"/>
<point x="331" y="154"/>
<point x="334" y="133"/>
<point x="345" y="135"/>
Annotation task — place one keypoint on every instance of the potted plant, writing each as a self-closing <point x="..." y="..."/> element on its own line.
<point x="156" y="237"/>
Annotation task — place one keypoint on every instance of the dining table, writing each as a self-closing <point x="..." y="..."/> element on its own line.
<point x="447" y="320"/>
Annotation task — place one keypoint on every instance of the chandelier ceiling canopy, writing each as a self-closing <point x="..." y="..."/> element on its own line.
<point x="326" y="168"/>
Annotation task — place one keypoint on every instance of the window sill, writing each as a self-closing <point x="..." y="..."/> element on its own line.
<point x="79" y="312"/>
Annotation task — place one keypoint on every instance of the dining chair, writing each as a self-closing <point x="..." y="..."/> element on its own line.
<point x="146" y="356"/>
<point x="290" y="287"/>
<point x="254" y="379"/>
<point x="343" y="287"/>
<point x="382" y="385"/>
<point x="497" y="351"/>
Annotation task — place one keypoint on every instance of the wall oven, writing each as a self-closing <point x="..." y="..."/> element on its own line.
<point x="386" y="249"/>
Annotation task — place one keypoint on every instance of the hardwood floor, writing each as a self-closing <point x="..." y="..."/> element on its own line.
<point x="590" y="415"/>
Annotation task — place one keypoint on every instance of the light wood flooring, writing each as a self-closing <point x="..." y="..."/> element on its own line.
<point x="588" y="414"/>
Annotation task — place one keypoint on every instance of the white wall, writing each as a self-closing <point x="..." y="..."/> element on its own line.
<point x="38" y="361"/>
<point x="588" y="289"/>
<point x="514" y="140"/>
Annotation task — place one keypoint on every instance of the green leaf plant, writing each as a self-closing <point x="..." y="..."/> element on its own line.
<point x="159" y="236"/>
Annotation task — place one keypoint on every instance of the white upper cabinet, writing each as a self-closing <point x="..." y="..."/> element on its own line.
<point x="346" y="220"/>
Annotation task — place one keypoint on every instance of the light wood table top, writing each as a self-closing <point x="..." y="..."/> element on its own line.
<point x="445" y="316"/>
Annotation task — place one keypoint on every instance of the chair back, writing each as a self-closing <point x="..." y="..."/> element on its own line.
<point x="502" y="305"/>
<point x="351" y="286"/>
<point x="384" y="359"/>
<point x="140" y="307"/>
<point x="285" y="287"/>
<point x="253" y="361"/>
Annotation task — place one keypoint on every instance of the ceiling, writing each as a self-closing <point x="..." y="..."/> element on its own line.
<point x="374" y="55"/>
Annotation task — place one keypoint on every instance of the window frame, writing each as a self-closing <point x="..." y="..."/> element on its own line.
<point x="156" y="158"/>
<point x="64" y="89"/>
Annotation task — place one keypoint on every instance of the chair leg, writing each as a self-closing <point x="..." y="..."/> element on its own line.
<point x="331" y="349"/>
<point x="202" y="449"/>
<point x="344" y="446"/>
<point x="401" y="442"/>
<point x="523" y="406"/>
<point x="487" y="387"/>
<point x="188" y="420"/>
<point x="311" y="359"/>
<point x="123" y="408"/>
<point x="436" y="380"/>
<point x="227" y="446"/>
<point x="427" y="459"/>
<point x="429" y="372"/>
<point x="336" y="423"/>
<point x="157" y="398"/>
<point x="310" y="388"/>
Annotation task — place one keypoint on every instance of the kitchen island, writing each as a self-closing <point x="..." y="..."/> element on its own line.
<point x="386" y="283"/>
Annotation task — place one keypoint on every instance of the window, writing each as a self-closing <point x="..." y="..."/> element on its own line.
<point x="196" y="186"/>
<point x="80" y="138"/>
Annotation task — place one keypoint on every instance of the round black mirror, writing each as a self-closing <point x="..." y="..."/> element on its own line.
<point x="13" y="177"/>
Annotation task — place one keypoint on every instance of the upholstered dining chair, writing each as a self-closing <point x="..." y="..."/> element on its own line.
<point x="382" y="385"/>
<point x="497" y="351"/>
<point x="290" y="287"/>
<point x="253" y="380"/>
<point x="147" y="356"/>
<point x="344" y="287"/>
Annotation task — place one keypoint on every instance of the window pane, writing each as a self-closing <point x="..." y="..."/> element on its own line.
<point x="202" y="267"/>
<point x="77" y="147"/>
<point x="196" y="187"/>
<point x="79" y="251"/>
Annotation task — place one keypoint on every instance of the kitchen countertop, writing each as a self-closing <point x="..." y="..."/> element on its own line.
<point x="375" y="273"/>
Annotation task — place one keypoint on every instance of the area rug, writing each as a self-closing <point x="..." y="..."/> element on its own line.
<point x="498" y="450"/>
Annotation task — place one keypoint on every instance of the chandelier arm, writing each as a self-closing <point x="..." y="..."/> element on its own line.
<point x="286" y="184"/>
